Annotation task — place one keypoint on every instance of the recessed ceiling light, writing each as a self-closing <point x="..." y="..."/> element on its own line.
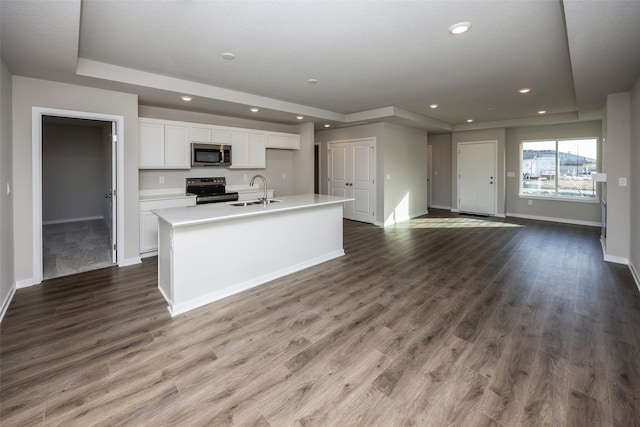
<point x="186" y="98"/>
<point x="327" y="125"/>
<point x="460" y="28"/>
<point x="524" y="90"/>
<point x="542" y="112"/>
<point x="469" y="120"/>
<point x="299" y="117"/>
<point x="433" y="106"/>
<point x="312" y="81"/>
<point x="228" y="55"/>
<point x="255" y="110"/>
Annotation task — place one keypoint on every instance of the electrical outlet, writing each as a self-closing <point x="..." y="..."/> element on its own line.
<point x="8" y="188"/>
<point x="622" y="182"/>
<point x="245" y="177"/>
<point x="284" y="176"/>
<point x="530" y="202"/>
<point x="161" y="179"/>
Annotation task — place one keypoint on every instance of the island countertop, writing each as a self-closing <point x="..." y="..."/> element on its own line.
<point x="202" y="214"/>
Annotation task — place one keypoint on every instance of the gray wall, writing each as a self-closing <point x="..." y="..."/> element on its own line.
<point x="441" y="174"/>
<point x="280" y="173"/>
<point x="401" y="155"/>
<point x="617" y="164"/>
<point x="634" y="255"/>
<point x="29" y="93"/>
<point x="7" y="279"/>
<point x="578" y="212"/>
<point x="72" y="172"/>
<point x="499" y="135"/>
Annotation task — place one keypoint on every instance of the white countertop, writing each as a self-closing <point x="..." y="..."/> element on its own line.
<point x="212" y="212"/>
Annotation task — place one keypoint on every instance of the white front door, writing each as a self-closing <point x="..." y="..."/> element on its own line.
<point x="352" y="174"/>
<point x="477" y="177"/>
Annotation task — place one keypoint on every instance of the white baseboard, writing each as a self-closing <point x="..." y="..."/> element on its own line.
<point x="446" y="208"/>
<point x="616" y="259"/>
<point x="5" y="304"/>
<point x="405" y="218"/>
<point x="25" y="283"/>
<point x="131" y="261"/>
<point x="552" y="219"/>
<point x="148" y="254"/>
<point x="455" y="210"/>
<point x="635" y="275"/>
<point x="63" y="221"/>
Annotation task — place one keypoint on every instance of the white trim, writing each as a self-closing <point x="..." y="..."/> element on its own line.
<point x="616" y="259"/>
<point x="405" y="219"/>
<point x="36" y="183"/>
<point x="446" y="208"/>
<point x="455" y="210"/>
<point x="552" y="219"/>
<point x="635" y="275"/>
<point x="64" y="221"/>
<point x="129" y="261"/>
<point x="218" y="295"/>
<point x="148" y="254"/>
<point x="7" y="302"/>
<point x="559" y="198"/>
<point x="25" y="283"/>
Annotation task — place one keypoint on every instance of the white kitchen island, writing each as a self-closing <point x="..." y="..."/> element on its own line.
<point x="209" y="252"/>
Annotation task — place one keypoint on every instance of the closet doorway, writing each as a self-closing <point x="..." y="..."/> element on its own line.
<point x="77" y="168"/>
<point x="77" y="211"/>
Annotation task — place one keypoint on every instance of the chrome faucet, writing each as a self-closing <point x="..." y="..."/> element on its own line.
<point x="264" y="199"/>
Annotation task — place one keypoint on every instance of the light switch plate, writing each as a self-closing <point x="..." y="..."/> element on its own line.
<point x="622" y="182"/>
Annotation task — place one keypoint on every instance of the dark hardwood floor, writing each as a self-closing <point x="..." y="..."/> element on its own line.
<point x="443" y="320"/>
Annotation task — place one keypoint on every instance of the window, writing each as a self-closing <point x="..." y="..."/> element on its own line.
<point x="559" y="168"/>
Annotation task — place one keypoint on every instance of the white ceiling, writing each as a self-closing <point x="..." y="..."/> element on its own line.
<point x="374" y="60"/>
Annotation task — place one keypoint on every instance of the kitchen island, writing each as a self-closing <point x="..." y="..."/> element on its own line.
<point x="209" y="252"/>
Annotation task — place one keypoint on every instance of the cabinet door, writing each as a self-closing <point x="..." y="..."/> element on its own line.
<point x="201" y="135"/>
<point x="151" y="138"/>
<point x="291" y="142"/>
<point x="257" y="153"/>
<point x="239" y="149"/>
<point x="177" y="153"/>
<point x="148" y="232"/>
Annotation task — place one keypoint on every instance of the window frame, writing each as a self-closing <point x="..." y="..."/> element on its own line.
<point x="556" y="196"/>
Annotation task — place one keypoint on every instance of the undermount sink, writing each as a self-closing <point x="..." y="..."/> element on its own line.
<point x="253" y="202"/>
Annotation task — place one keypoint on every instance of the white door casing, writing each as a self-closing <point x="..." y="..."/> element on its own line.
<point x="477" y="186"/>
<point x="114" y="194"/>
<point x="352" y="174"/>
<point x="429" y="176"/>
<point x="36" y="175"/>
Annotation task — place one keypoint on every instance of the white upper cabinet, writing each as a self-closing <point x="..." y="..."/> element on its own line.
<point x="177" y="147"/>
<point x="166" y="144"/>
<point x="283" y="141"/>
<point x="151" y="145"/>
<point x="248" y="150"/>
<point x="163" y="146"/>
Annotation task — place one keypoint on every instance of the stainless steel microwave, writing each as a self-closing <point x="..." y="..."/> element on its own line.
<point x="210" y="154"/>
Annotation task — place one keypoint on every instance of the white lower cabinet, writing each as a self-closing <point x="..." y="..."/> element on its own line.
<point x="149" y="220"/>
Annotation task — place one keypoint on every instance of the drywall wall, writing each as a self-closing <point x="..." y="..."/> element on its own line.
<point x="634" y="182"/>
<point x="405" y="173"/>
<point x="565" y="211"/>
<point x="72" y="172"/>
<point x="441" y="174"/>
<point x="303" y="160"/>
<point x="617" y="164"/>
<point x="29" y="93"/>
<point x="7" y="281"/>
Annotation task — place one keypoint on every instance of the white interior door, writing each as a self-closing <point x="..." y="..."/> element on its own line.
<point x="352" y="174"/>
<point x="477" y="177"/>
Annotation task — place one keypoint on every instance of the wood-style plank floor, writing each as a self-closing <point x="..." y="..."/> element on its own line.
<point x="443" y="320"/>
